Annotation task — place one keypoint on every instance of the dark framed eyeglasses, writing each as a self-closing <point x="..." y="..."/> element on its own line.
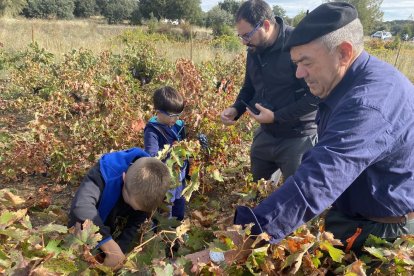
<point x="170" y="114"/>
<point x="247" y="36"/>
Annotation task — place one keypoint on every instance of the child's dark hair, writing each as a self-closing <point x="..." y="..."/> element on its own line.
<point x="168" y="99"/>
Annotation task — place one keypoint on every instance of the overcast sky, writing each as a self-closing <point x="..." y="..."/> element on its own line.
<point x="393" y="9"/>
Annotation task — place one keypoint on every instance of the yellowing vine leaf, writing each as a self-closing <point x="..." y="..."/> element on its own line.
<point x="336" y="254"/>
<point x="7" y="217"/>
<point x="9" y="199"/>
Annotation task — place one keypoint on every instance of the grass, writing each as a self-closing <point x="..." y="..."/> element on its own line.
<point x="61" y="36"/>
<point x="402" y="58"/>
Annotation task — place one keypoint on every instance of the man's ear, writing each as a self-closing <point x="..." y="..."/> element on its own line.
<point x="123" y="177"/>
<point x="266" y="24"/>
<point x="346" y="50"/>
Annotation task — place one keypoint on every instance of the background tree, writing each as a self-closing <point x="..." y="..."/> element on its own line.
<point x="298" y="18"/>
<point x="158" y="8"/>
<point x="136" y="16"/>
<point x="85" y="8"/>
<point x="61" y="9"/>
<point x="184" y="9"/>
<point x="220" y="21"/>
<point x="171" y="9"/>
<point x="230" y="6"/>
<point x="65" y="9"/>
<point x="281" y="12"/>
<point x="369" y="12"/>
<point x="11" y="7"/>
<point x="117" y="11"/>
<point x="100" y="6"/>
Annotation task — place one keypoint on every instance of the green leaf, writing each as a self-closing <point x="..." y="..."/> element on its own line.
<point x="52" y="228"/>
<point x="27" y="223"/>
<point x="192" y="185"/>
<point x="197" y="238"/>
<point x="15" y="233"/>
<point x="401" y="260"/>
<point x="217" y="176"/>
<point x="7" y="218"/>
<point x="336" y="254"/>
<point x="3" y="255"/>
<point x="376" y="252"/>
<point x="256" y="259"/>
<point x="53" y="246"/>
<point x="152" y="250"/>
<point x="89" y="235"/>
<point x="61" y="265"/>
<point x="316" y="261"/>
<point x="374" y="241"/>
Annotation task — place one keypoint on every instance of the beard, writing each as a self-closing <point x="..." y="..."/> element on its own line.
<point x="258" y="48"/>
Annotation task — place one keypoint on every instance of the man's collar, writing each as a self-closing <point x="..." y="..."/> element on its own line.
<point x="280" y="40"/>
<point x="343" y="86"/>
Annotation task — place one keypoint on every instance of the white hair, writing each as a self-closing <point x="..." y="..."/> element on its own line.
<point x="352" y="32"/>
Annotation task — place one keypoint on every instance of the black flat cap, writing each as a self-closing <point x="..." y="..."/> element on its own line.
<point x="324" y="19"/>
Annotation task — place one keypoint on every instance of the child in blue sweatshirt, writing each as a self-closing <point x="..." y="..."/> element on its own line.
<point x="124" y="184"/>
<point x="164" y="129"/>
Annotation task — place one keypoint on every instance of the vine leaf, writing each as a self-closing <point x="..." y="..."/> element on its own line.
<point x="7" y="218"/>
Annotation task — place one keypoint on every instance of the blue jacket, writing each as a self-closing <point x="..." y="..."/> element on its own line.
<point x="363" y="163"/>
<point x="99" y="198"/>
<point x="156" y="136"/>
<point x="113" y="165"/>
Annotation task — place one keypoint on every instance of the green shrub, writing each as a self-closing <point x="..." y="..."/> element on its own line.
<point x="227" y="42"/>
<point x="222" y="30"/>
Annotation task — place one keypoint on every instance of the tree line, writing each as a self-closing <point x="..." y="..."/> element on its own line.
<point x="220" y="18"/>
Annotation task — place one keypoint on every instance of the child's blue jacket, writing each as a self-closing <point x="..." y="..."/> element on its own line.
<point x="113" y="165"/>
<point x="99" y="198"/>
<point x="156" y="136"/>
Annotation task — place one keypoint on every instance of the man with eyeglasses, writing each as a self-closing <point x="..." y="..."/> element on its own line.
<point x="286" y="107"/>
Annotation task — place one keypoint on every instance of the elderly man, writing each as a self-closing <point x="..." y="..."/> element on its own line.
<point x="286" y="107"/>
<point x="363" y="164"/>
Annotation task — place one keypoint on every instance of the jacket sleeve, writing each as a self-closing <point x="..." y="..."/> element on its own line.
<point x="129" y="234"/>
<point x="246" y="93"/>
<point x="84" y="205"/>
<point x="151" y="145"/>
<point x="346" y="149"/>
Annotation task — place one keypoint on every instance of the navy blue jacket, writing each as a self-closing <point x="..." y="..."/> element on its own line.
<point x="99" y="198"/>
<point x="156" y="136"/>
<point x="363" y="163"/>
<point x="270" y="80"/>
